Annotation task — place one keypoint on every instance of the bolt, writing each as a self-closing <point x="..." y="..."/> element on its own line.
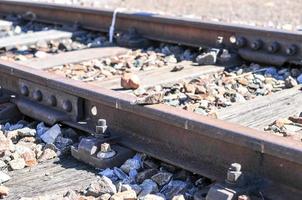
<point x="240" y="42"/>
<point x="101" y="122"/>
<point x="105" y="147"/>
<point x="101" y="127"/>
<point x="38" y="95"/>
<point x="291" y="50"/>
<point x="234" y="172"/>
<point x="24" y="90"/>
<point x="256" y="44"/>
<point x="52" y="100"/>
<point x="105" y="151"/>
<point x="274" y="47"/>
<point x="67" y="106"/>
<point x="244" y="197"/>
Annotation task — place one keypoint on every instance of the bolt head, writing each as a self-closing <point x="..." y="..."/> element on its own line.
<point x="24" y="90"/>
<point x="38" y="95"/>
<point x="67" y="106"/>
<point x="52" y="100"/>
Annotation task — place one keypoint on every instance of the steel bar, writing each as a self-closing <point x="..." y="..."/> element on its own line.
<point x="252" y="43"/>
<point x="197" y="143"/>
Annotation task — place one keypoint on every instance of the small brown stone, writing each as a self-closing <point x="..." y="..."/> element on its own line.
<point x="130" y="81"/>
<point x="281" y="122"/>
<point x="190" y="88"/>
<point x="29" y="158"/>
<point x="3" y="191"/>
<point x="47" y="155"/>
<point x="126" y="195"/>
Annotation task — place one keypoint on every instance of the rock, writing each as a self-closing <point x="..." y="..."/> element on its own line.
<point x="29" y="158"/>
<point x="3" y="191"/>
<point x="71" y="195"/>
<point x="51" y="134"/>
<point x="105" y="196"/>
<point x="299" y="79"/>
<point x="207" y="58"/>
<point x="126" y="195"/>
<point x="18" y="30"/>
<point x="190" y="88"/>
<point x="2" y="166"/>
<point x="26" y="132"/>
<point x="109" y="173"/>
<point x="146" y="174"/>
<point x="38" y="150"/>
<point x="16" y="164"/>
<point x="153" y="197"/>
<point x="47" y="155"/>
<point x="4" y="177"/>
<point x="40" y="54"/>
<point x="178" y="197"/>
<point x="63" y="144"/>
<point x="148" y="187"/>
<point x="133" y="163"/>
<point x="102" y="186"/>
<point x="162" y="178"/>
<point x="177" y="68"/>
<point x="41" y="129"/>
<point x="290" y="82"/>
<point x="120" y="174"/>
<point x="174" y="188"/>
<point x="295" y="72"/>
<point x="130" y="81"/>
<point x="200" y="89"/>
<point x="281" y="122"/>
<point x="5" y="144"/>
<point x="239" y="98"/>
<point x="9" y="127"/>
<point x="153" y="98"/>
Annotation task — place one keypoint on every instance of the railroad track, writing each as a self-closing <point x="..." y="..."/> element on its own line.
<point x="33" y="82"/>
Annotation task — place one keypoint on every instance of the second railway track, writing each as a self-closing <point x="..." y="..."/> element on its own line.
<point x="63" y="80"/>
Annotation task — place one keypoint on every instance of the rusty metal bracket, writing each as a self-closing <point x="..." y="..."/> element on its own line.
<point x="237" y="183"/>
<point x="100" y="152"/>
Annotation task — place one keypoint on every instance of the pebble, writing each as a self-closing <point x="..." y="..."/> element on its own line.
<point x="153" y="197"/>
<point x="40" y="54"/>
<point x="173" y="188"/>
<point x="148" y="187"/>
<point x="130" y="81"/>
<point x="146" y="174"/>
<point x="25" y="132"/>
<point x="290" y="82"/>
<point x="299" y="79"/>
<point x="4" y="177"/>
<point x="47" y="155"/>
<point x="4" y="191"/>
<point x="126" y="195"/>
<point x="207" y="58"/>
<point x="51" y="134"/>
<point x="162" y="178"/>
<point x="133" y="163"/>
<point x="29" y="158"/>
<point x="102" y="186"/>
<point x="16" y="164"/>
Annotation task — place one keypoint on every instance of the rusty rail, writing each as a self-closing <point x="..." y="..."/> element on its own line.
<point x="197" y="143"/>
<point x="254" y="44"/>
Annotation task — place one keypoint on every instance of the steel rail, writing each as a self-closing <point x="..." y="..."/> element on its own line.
<point x="252" y="43"/>
<point x="197" y="143"/>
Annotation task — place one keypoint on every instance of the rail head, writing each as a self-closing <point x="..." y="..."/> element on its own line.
<point x="255" y="44"/>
